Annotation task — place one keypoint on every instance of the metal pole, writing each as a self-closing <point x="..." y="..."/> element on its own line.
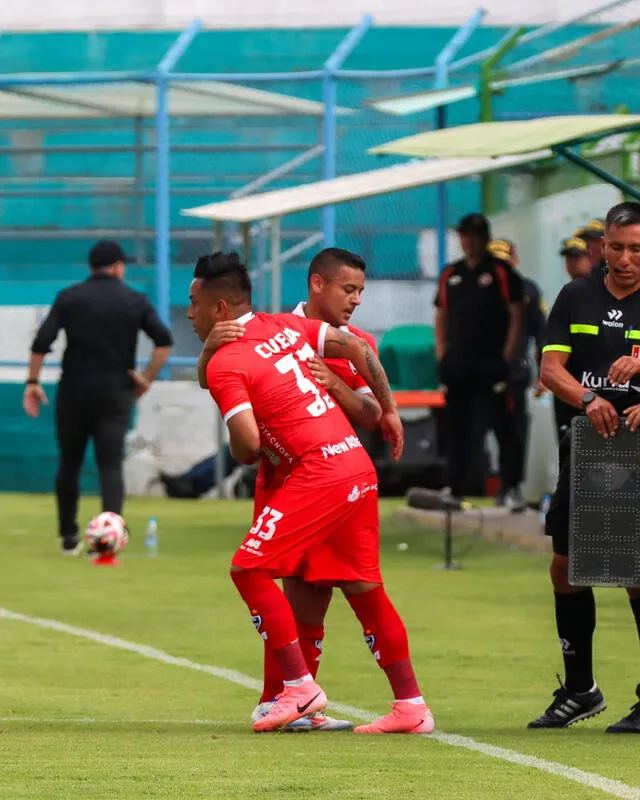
<point x="262" y="260"/>
<point x="163" y="176"/>
<point x="329" y="126"/>
<point x="246" y="242"/>
<point x="219" y="472"/>
<point x="625" y="188"/>
<point x="138" y="200"/>
<point x="163" y="220"/>
<point x="486" y="106"/>
<point x="444" y="58"/>
<point x="329" y="135"/>
<point x="276" y="276"/>
<point x="218" y="236"/>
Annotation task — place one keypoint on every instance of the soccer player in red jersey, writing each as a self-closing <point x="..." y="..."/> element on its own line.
<point x="336" y="281"/>
<point x="317" y="515"/>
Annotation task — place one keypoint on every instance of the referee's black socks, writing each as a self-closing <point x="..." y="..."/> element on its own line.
<point x="635" y="607"/>
<point x="576" y="622"/>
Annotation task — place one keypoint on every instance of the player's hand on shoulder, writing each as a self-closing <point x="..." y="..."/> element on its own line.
<point x="223" y="333"/>
<point x="623" y="369"/>
<point x="603" y="416"/>
<point x="393" y="432"/>
<point x="633" y="417"/>
<point x="322" y="373"/>
<point x="34" y="395"/>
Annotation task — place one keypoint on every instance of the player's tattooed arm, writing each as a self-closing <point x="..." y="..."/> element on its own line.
<point x="362" y="409"/>
<point x="340" y="344"/>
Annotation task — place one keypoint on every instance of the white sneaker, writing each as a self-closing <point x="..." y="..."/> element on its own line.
<point x="321" y="722"/>
<point x="514" y="501"/>
<point x="316" y="722"/>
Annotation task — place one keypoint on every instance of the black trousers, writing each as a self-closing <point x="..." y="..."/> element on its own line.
<point x="82" y="414"/>
<point x="521" y="422"/>
<point x="474" y="407"/>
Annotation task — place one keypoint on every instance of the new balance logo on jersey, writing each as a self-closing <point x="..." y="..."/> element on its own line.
<point x="348" y="443"/>
<point x="614" y="316"/>
<point x="591" y="381"/>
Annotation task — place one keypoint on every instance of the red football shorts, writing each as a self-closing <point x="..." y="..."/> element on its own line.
<point x="323" y="534"/>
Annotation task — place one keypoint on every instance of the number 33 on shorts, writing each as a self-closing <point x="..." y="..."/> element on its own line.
<point x="265" y="525"/>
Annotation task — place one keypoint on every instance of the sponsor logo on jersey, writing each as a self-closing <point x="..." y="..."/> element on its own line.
<point x="591" y="381"/>
<point x="486" y="279"/>
<point x="348" y="443"/>
<point x="353" y="369"/>
<point x="614" y="316"/>
<point x="272" y="448"/>
<point x="353" y="495"/>
<point x="635" y="351"/>
<point x="454" y="280"/>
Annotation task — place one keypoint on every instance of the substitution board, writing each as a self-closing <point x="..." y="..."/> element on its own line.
<point x="604" y="520"/>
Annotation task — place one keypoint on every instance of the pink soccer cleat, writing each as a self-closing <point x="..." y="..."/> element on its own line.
<point x="405" y="718"/>
<point x="294" y="702"/>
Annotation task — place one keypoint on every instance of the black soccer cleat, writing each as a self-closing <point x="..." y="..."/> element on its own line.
<point x="569" y="707"/>
<point x="630" y="723"/>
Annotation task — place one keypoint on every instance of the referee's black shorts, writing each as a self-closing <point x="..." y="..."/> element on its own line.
<point x="557" y="520"/>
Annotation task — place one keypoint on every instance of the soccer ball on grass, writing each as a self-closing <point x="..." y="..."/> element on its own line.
<point x="106" y="534"/>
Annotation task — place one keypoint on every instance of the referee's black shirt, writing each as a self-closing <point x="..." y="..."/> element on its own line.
<point x="101" y="318"/>
<point x="595" y="329"/>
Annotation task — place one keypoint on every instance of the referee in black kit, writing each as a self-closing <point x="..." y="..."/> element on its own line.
<point x="101" y="318"/>
<point x="591" y="361"/>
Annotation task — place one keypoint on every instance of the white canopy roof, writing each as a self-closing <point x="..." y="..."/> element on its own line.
<point x="354" y="187"/>
<point x="138" y="99"/>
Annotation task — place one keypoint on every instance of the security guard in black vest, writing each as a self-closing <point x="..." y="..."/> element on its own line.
<point x="101" y="318"/>
<point x="591" y="360"/>
<point x="477" y="330"/>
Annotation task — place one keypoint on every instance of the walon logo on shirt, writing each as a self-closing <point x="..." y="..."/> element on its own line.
<point x="591" y="381"/>
<point x="614" y="315"/>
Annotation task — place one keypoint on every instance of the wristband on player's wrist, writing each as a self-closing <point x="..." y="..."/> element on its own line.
<point x="32" y="381"/>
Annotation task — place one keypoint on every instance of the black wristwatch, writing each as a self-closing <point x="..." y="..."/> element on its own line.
<point x="588" y="397"/>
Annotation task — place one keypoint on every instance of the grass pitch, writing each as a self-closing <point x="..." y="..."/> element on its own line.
<point x="81" y="719"/>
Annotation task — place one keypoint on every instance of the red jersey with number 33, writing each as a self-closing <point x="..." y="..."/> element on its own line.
<point x="301" y="427"/>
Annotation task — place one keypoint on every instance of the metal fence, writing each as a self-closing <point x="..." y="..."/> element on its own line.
<point x="68" y="179"/>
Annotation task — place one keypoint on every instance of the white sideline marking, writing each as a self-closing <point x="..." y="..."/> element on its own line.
<point x="592" y="779"/>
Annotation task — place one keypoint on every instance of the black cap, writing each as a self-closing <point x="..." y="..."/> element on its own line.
<point x="592" y="231"/>
<point x="475" y="224"/>
<point x="574" y="246"/>
<point x="105" y="253"/>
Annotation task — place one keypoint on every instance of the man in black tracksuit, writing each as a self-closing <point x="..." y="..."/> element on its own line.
<point x="101" y="318"/>
<point x="478" y="322"/>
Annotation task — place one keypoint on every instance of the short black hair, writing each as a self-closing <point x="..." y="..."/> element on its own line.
<point x="476" y="224"/>
<point x="623" y="214"/>
<point x="331" y="259"/>
<point x="227" y="273"/>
